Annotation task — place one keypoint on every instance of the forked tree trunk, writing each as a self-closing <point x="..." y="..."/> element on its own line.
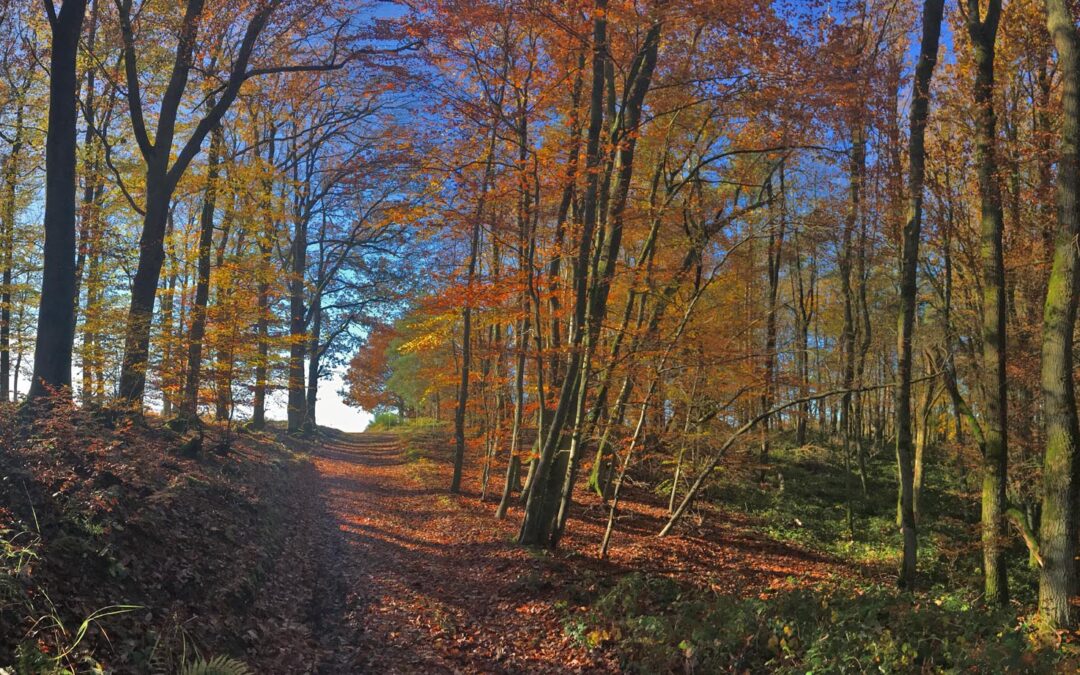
<point x="542" y="499"/>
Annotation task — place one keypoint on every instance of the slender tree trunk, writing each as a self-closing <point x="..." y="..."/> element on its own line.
<point x="167" y="369"/>
<point x="7" y="240"/>
<point x="56" y="311"/>
<point x="514" y="465"/>
<point x="466" y="321"/>
<point x="262" y="325"/>
<point x="931" y="32"/>
<point x="190" y="404"/>
<point x="774" y="257"/>
<point x="314" y="358"/>
<point x="848" y="428"/>
<point x="297" y="407"/>
<point x="804" y="306"/>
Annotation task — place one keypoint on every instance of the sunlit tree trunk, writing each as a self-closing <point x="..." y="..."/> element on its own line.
<point x="466" y="323"/>
<point x="540" y="503"/>
<point x="190" y="402"/>
<point x="8" y="202"/>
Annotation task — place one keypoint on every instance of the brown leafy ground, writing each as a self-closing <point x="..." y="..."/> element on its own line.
<point x="437" y="584"/>
<point x="343" y="554"/>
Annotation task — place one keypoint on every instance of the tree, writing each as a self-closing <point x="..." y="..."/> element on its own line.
<point x="928" y="49"/>
<point x="983" y="34"/>
<point x="56" y="311"/>
<point x="164" y="164"/>
<point x="1057" y="534"/>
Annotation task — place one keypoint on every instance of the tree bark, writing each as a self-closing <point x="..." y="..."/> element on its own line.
<point x="931" y="32"/>
<point x="190" y="404"/>
<point x="983" y="33"/>
<point x="540" y="504"/>
<point x="56" y="311"/>
<point x="314" y="357"/>
<point x="7" y="240"/>
<point x="297" y="402"/>
<point x="466" y="322"/>
<point x="1057" y="531"/>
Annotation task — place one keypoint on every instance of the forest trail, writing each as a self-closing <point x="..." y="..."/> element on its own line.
<point x="428" y="586"/>
<point x="433" y="583"/>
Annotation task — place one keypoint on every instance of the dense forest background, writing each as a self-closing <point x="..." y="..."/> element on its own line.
<point x="813" y="260"/>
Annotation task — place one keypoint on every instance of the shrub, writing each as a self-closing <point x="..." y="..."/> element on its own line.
<point x="384" y="420"/>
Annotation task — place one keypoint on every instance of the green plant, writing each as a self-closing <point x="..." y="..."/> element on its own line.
<point x="219" y="665"/>
<point x="384" y="421"/>
<point x="658" y="625"/>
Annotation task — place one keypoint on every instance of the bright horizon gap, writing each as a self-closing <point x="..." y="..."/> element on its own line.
<point x="330" y="411"/>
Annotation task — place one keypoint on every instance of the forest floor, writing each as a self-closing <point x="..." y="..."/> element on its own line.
<point x="122" y="553"/>
<point x="437" y="584"/>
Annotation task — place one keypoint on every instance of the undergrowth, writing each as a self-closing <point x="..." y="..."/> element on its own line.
<point x="658" y="625"/>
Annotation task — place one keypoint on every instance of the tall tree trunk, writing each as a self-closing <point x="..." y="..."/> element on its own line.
<point x="144" y="286"/>
<point x="167" y="370"/>
<point x="848" y="429"/>
<point x="909" y="262"/>
<point x="56" y="311"/>
<point x="262" y="324"/>
<point x="7" y="240"/>
<point x="466" y="321"/>
<point x="774" y="257"/>
<point x="605" y="261"/>
<point x="803" y="294"/>
<point x="983" y="33"/>
<point x="297" y="406"/>
<point x="1057" y="531"/>
<point x="539" y="506"/>
<point x="190" y="403"/>
<point x="314" y="357"/>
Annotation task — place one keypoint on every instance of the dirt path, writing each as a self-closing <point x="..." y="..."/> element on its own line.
<point x="434" y="586"/>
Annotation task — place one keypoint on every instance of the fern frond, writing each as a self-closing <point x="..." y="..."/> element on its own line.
<point x="219" y="665"/>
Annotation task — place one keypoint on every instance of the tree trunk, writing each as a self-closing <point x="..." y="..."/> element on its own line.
<point x="983" y="35"/>
<point x="542" y="499"/>
<point x="1057" y="531"/>
<point x="7" y="240"/>
<point x="297" y="408"/>
<point x="190" y="404"/>
<point x="314" y="357"/>
<point x="466" y="320"/>
<point x="144" y="286"/>
<point x="56" y="311"/>
<point x="774" y="257"/>
<point x="166" y="369"/>
<point x="932" y="15"/>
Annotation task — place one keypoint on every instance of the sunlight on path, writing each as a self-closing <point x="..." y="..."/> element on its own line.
<point x="435" y="588"/>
